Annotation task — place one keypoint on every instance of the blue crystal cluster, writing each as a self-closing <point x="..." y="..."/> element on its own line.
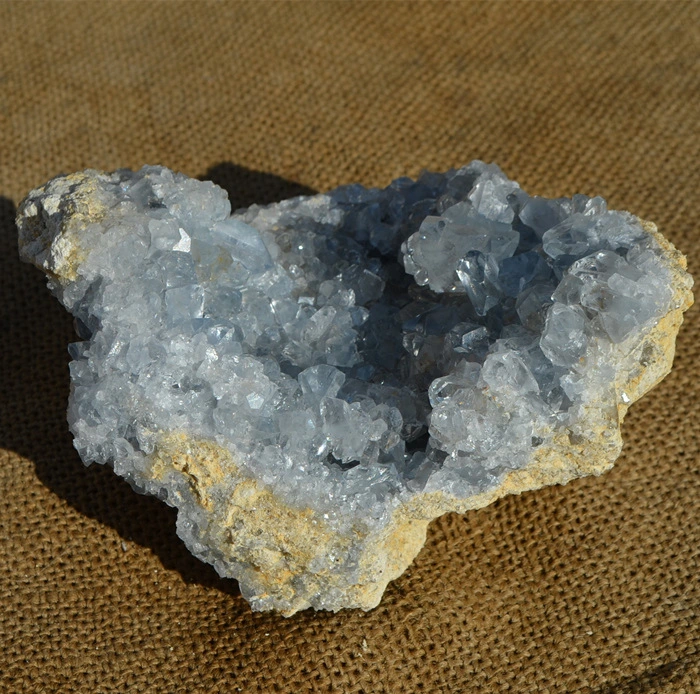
<point x="355" y="348"/>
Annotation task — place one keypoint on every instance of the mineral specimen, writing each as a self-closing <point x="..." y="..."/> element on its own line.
<point x="310" y="383"/>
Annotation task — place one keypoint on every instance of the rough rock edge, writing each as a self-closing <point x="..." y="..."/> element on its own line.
<point x="50" y="222"/>
<point x="270" y="572"/>
<point x="270" y="578"/>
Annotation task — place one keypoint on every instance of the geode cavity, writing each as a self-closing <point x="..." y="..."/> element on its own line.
<point x="311" y="382"/>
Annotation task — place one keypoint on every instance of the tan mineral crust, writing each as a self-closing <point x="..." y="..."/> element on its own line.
<point x="284" y="555"/>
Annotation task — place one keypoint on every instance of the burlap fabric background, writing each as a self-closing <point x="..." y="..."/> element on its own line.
<point x="586" y="588"/>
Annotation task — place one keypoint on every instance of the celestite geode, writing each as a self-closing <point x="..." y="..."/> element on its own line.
<point x="311" y="382"/>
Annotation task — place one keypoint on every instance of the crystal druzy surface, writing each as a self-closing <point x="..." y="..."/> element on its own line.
<point x="311" y="382"/>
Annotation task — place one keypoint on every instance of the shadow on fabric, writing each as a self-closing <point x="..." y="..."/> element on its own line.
<point x="34" y="335"/>
<point x="651" y="680"/>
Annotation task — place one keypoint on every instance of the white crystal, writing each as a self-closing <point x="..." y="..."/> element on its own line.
<point x="311" y="382"/>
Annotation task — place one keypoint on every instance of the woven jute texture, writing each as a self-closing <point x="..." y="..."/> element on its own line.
<point x="592" y="587"/>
